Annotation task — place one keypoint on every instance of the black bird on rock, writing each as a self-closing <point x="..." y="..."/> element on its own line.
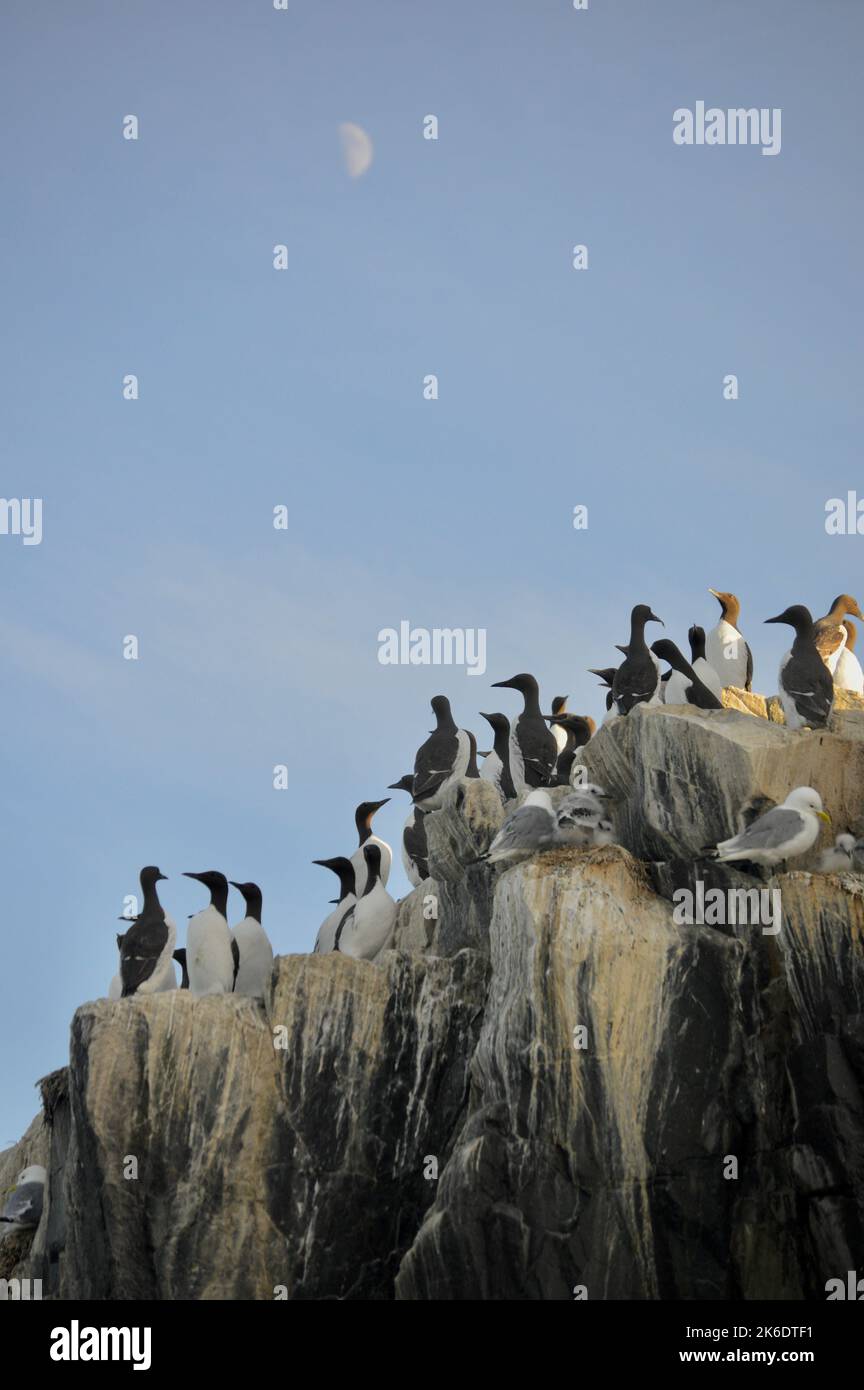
<point x="696" y="691"/>
<point x="637" y="679"/>
<point x="806" y="684"/>
<point x="533" y="749"/>
<point x="442" y="759"/>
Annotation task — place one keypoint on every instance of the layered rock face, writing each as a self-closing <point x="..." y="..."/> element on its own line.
<point x="546" y="1087"/>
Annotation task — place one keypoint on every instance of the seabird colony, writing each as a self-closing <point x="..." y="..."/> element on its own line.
<point x="217" y="958"/>
<point x="536" y="752"/>
<point x="530" y="755"/>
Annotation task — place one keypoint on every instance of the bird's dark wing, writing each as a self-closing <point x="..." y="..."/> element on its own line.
<point x="812" y="689"/>
<point x="414" y="840"/>
<point x="348" y="914"/>
<point x="235" y="952"/>
<point x="143" y="944"/>
<point x="634" y="682"/>
<point x="434" y="764"/>
<point x="539" y="751"/>
<point x="700" y="696"/>
<point x="748" y="681"/>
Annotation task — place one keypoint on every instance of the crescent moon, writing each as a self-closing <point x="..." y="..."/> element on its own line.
<point x="357" y="149"/>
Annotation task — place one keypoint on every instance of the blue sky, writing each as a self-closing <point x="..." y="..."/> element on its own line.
<point x="304" y="387"/>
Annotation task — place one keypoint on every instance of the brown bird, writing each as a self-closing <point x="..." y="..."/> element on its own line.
<point x="829" y="632"/>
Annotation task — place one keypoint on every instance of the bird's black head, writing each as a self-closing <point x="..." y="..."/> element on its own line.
<point x="643" y="614"/>
<point x="150" y="876"/>
<point x="337" y="864"/>
<point x="251" y="896"/>
<point x="440" y="706"/>
<point x="212" y="879"/>
<point x="666" y="650"/>
<point x="499" y="722"/>
<point x="797" y="616"/>
<point x="559" y="704"/>
<point x="405" y="784"/>
<point x="364" y="813"/>
<point x="343" y="869"/>
<point x="524" y="683"/>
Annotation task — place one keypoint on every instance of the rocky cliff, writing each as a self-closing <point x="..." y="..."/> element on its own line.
<point x="545" y="1088"/>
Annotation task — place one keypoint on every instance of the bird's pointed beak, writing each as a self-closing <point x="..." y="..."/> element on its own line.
<point x="162" y="878"/>
<point x="652" y="618"/>
<point x="233" y="884"/>
<point x="823" y="815"/>
<point x="379" y="804"/>
<point x="774" y="620"/>
<point x="186" y="875"/>
<point x="502" y="685"/>
<point x="714" y="592"/>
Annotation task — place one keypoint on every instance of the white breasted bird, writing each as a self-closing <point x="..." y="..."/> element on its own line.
<point x="253" y="944"/>
<point x="209" y="955"/>
<point x="366" y="928"/>
<point x="344" y="870"/>
<point x="363" y="821"/>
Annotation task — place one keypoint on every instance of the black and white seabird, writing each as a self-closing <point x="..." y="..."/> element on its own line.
<point x="209" y="954"/>
<point x="695" y="691"/>
<point x="847" y="673"/>
<point x="369" y="923"/>
<point x="23" y="1206"/>
<point x="146" y="964"/>
<point x="829" y="633"/>
<point x="363" y="821"/>
<point x="442" y="759"/>
<point x="415" y="855"/>
<point x="806" y="684"/>
<point x="637" y="680"/>
<point x="253" y="945"/>
<point x="577" y="729"/>
<point x="675" y="685"/>
<point x="180" y="957"/>
<point x="725" y="648"/>
<point x="496" y="765"/>
<point x="533" y="749"/>
<point x="344" y="870"/>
